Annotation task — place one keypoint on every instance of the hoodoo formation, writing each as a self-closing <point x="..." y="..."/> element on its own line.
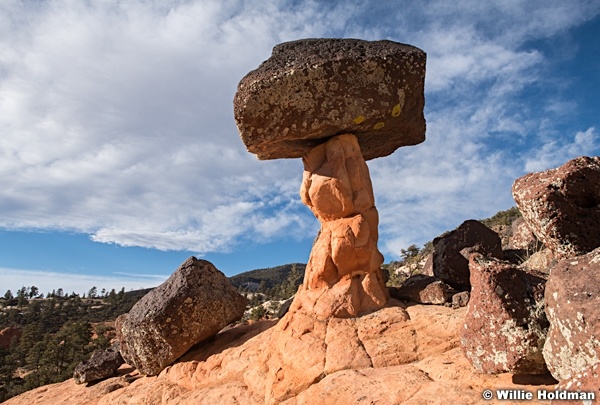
<point x="336" y="103"/>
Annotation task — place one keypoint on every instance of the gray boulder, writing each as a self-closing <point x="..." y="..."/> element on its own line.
<point x="423" y="289"/>
<point x="192" y="305"/>
<point x="102" y="364"/>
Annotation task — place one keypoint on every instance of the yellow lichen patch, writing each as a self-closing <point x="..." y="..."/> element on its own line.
<point x="396" y="110"/>
<point x="359" y="119"/>
<point x="379" y="125"/>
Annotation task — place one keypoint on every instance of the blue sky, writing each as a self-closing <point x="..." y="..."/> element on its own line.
<point x="119" y="155"/>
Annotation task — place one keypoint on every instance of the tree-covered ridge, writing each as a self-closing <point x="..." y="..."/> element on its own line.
<point x="57" y="332"/>
<point x="262" y="280"/>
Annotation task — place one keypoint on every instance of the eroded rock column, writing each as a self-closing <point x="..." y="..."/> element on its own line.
<point x="343" y="276"/>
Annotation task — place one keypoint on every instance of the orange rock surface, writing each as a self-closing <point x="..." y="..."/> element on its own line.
<point x="396" y="355"/>
<point x="343" y="276"/>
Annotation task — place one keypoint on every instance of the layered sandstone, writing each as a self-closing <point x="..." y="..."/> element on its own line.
<point x="343" y="276"/>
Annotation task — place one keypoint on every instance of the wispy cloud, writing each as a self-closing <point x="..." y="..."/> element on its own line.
<point x="116" y="117"/>
<point x="47" y="281"/>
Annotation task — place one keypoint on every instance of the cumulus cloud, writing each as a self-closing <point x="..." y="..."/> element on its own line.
<point x="116" y="117"/>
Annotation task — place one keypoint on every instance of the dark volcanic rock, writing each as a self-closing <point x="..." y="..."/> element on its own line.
<point x="102" y="364"/>
<point x="450" y="260"/>
<point x="573" y="309"/>
<point x="190" y="306"/>
<point x="505" y="325"/>
<point x="312" y="89"/>
<point x="424" y="290"/>
<point x="562" y="206"/>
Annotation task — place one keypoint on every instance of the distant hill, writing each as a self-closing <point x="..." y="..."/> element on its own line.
<point x="268" y="278"/>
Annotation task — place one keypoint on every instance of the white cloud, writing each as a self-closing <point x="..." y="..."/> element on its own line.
<point x="555" y="152"/>
<point x="116" y="117"/>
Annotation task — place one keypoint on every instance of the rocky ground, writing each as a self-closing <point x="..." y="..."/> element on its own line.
<point x="411" y="356"/>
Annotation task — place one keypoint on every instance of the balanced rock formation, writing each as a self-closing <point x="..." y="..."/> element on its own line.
<point x="190" y="306"/>
<point x="335" y="103"/>
<point x="562" y="206"/>
<point x="573" y="309"/>
<point x="450" y="258"/>
<point x="101" y="365"/>
<point x="312" y="89"/>
<point x="505" y="326"/>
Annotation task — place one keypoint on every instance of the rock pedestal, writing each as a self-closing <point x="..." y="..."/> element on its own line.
<point x="343" y="276"/>
<point x="336" y="103"/>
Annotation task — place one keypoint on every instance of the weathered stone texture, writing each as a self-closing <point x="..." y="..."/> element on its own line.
<point x="190" y="306"/>
<point x="102" y="364"/>
<point x="460" y="299"/>
<point x="343" y="276"/>
<point x="505" y="325"/>
<point x="310" y="90"/>
<point x="423" y="289"/>
<point x="562" y="206"/>
<point x="573" y="308"/>
<point x="450" y="259"/>
<point x="521" y="237"/>
<point x="587" y="381"/>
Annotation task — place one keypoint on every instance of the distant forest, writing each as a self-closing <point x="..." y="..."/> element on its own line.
<point x="57" y="332"/>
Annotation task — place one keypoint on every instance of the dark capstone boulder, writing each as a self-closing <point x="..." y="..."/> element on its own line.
<point x="450" y="258"/>
<point x="194" y="304"/>
<point x="562" y="206"/>
<point x="102" y="364"/>
<point x="573" y="309"/>
<point x="312" y="89"/>
<point x="423" y="289"/>
<point x="505" y="325"/>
